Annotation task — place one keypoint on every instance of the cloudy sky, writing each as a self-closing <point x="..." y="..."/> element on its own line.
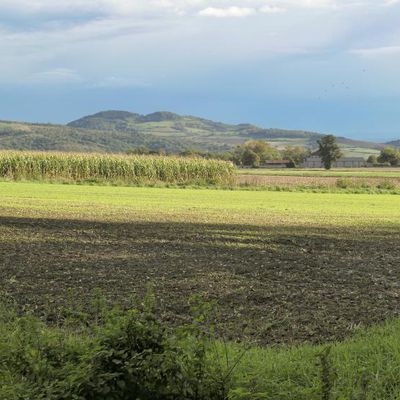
<point x="323" y="65"/>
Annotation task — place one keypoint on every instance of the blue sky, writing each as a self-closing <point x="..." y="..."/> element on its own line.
<point x="323" y="65"/>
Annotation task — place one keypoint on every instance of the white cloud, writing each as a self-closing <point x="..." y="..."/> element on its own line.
<point x="92" y="9"/>
<point x="317" y="3"/>
<point x="391" y="2"/>
<point x="125" y="40"/>
<point x="54" y="76"/>
<point x="230" y="12"/>
<point x="377" y="51"/>
<point x="271" y="9"/>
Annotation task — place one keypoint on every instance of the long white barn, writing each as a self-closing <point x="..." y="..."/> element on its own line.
<point x="343" y="162"/>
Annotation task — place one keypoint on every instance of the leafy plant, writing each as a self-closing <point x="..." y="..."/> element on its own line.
<point x="113" y="355"/>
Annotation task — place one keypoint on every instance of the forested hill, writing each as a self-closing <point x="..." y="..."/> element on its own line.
<point x="394" y="143"/>
<point x="119" y="131"/>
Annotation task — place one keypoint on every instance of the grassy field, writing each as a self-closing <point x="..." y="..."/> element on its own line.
<point x="284" y="267"/>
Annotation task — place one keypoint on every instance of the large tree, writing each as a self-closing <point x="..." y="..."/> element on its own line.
<point x="295" y="154"/>
<point x="244" y="154"/>
<point x="250" y="158"/>
<point x="389" y="155"/>
<point x="328" y="150"/>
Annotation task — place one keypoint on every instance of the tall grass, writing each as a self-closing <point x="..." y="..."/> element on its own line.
<point x="135" y="169"/>
<point x="365" y="366"/>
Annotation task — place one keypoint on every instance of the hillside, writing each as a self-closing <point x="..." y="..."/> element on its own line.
<point x="394" y="143"/>
<point x="200" y="131"/>
<point x="118" y="131"/>
<point x="205" y="134"/>
<point x="25" y="136"/>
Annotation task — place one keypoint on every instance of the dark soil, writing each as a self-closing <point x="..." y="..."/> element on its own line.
<point x="273" y="284"/>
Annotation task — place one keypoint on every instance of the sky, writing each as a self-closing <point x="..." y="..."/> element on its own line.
<point x="330" y="66"/>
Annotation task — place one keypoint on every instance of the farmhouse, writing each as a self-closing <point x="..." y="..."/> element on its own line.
<point x="276" y="164"/>
<point x="343" y="162"/>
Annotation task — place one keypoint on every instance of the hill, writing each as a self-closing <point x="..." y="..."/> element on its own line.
<point x="26" y="136"/>
<point x="198" y="130"/>
<point x="118" y="131"/>
<point x="205" y="134"/>
<point x="394" y="143"/>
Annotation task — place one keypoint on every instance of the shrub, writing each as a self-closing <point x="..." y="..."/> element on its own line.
<point x="344" y="183"/>
<point x="386" y="185"/>
<point x="124" y="355"/>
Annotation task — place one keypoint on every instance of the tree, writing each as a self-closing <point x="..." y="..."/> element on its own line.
<point x="389" y="155"/>
<point x="264" y="151"/>
<point x="372" y="159"/>
<point x="250" y="158"/>
<point x="328" y="150"/>
<point x="295" y="154"/>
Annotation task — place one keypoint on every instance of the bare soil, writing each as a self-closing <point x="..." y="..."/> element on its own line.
<point x="274" y="285"/>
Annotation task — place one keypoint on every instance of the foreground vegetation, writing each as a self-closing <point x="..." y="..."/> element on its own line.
<point x="106" y="353"/>
<point x="113" y="168"/>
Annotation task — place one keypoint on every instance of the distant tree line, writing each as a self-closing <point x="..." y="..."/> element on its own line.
<point x="255" y="153"/>
<point x="249" y="154"/>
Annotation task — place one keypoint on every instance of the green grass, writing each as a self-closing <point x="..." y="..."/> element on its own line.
<point x="200" y="204"/>
<point x="370" y="359"/>
<point x="356" y="172"/>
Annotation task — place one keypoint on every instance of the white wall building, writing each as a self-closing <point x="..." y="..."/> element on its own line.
<point x="343" y="162"/>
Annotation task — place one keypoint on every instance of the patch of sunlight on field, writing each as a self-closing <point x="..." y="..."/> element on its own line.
<point x="100" y="202"/>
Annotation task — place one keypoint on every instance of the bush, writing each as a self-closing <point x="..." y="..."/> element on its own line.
<point x="386" y="185"/>
<point x="124" y="355"/>
<point x="344" y="183"/>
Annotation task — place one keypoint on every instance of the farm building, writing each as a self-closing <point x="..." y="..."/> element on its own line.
<point x="276" y="164"/>
<point x="343" y="162"/>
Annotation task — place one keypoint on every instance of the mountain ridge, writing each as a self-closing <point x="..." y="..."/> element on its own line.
<point x="119" y="131"/>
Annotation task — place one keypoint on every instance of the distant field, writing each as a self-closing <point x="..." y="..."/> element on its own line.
<point x="336" y="172"/>
<point x="365" y="179"/>
<point x="359" y="151"/>
<point x="284" y="267"/>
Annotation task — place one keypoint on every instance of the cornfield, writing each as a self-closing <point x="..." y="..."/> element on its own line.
<point x="135" y="169"/>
